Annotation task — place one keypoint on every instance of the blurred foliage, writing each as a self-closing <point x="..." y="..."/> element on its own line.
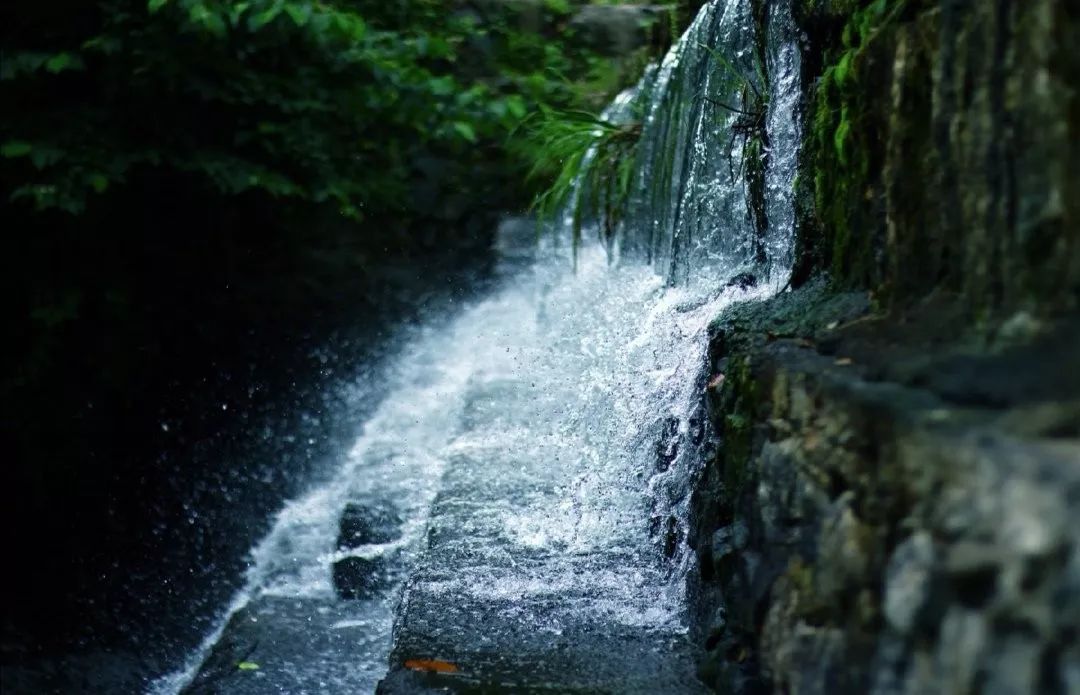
<point x="275" y="147"/>
<point x="186" y="182"/>
<point x="326" y="102"/>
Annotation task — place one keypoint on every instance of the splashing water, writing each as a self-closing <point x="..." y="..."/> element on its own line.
<point x="544" y="444"/>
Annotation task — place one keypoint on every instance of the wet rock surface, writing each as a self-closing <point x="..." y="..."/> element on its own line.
<point x="514" y="592"/>
<point x="358" y="576"/>
<point x="619" y="29"/>
<point x="288" y="645"/>
<point x="943" y="150"/>
<point x="510" y="494"/>
<point x="906" y="534"/>
<point x="367" y="525"/>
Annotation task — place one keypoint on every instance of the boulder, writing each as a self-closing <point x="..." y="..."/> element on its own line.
<point x="367" y="525"/>
<point x="358" y="577"/>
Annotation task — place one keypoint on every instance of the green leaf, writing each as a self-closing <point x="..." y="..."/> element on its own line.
<point x="46" y="155"/>
<point x="106" y="45"/>
<point x="98" y="182"/>
<point x="155" y="5"/>
<point x="299" y="14"/>
<point x="359" y="27"/>
<point x="15" y="148"/>
<point x="214" y="24"/>
<point x="207" y="19"/>
<point x="64" y="61"/>
<point x="350" y="26"/>
<point x="349" y="211"/>
<point x="261" y="19"/>
<point x="438" y="47"/>
<point x="247" y="666"/>
<point x="465" y="130"/>
<point x="236" y="11"/>
<point x="516" y="105"/>
<point x="441" y="86"/>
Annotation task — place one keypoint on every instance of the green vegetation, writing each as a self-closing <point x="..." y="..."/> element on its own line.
<point x="276" y="147"/>
<point x="322" y="102"/>
<point x="740" y="410"/>
<point x="176" y="160"/>
<point x="579" y="152"/>
<point x="845" y="145"/>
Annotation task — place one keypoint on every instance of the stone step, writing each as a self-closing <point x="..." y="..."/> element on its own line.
<point x="290" y="645"/>
<point x="522" y="588"/>
<point x="539" y="629"/>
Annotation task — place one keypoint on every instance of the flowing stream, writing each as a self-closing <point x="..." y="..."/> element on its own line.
<point x="535" y="455"/>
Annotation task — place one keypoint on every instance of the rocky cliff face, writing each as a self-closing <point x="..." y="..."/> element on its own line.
<point x="892" y="504"/>
<point x="944" y="150"/>
<point x="895" y="510"/>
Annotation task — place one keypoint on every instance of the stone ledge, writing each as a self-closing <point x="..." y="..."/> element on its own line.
<point x="910" y="499"/>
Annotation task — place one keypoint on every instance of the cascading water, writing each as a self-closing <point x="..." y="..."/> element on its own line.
<point x="537" y="454"/>
<point x="717" y="91"/>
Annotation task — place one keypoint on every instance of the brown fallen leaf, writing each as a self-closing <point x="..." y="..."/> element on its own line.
<point x="436" y="665"/>
<point x="717" y="380"/>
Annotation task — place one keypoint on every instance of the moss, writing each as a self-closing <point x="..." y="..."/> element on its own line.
<point x="807" y="603"/>
<point x="833" y="8"/>
<point x="842" y="135"/>
<point x="919" y="250"/>
<point x="800" y="576"/>
<point x="740" y="406"/>
<point x="842" y="71"/>
<point x="844" y="143"/>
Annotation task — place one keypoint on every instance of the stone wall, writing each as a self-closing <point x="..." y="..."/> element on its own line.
<point x="891" y="502"/>
<point x="944" y="150"/>
<point x="889" y="509"/>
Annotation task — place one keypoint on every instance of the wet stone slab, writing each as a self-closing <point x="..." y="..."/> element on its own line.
<point x="525" y="587"/>
<point x="503" y="629"/>
<point x="289" y="645"/>
<point x="580" y="660"/>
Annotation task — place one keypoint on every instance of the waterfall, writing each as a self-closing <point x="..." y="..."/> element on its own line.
<point x="718" y="90"/>
<point x="540" y="448"/>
